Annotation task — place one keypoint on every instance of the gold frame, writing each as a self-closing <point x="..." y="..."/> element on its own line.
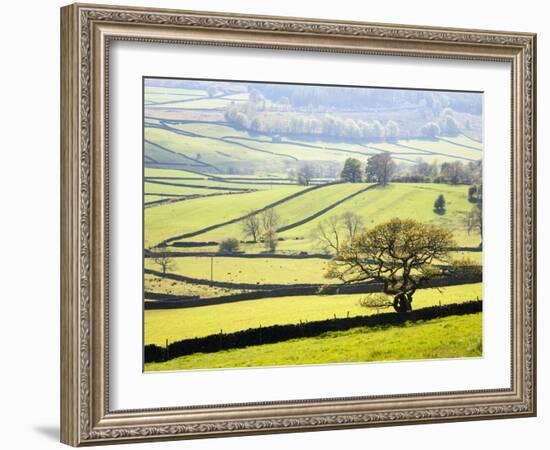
<point x="86" y="31"/>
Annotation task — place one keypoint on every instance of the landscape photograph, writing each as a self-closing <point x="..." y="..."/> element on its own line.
<point x="297" y="224"/>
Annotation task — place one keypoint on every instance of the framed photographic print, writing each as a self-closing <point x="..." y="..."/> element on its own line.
<point x="276" y="224"/>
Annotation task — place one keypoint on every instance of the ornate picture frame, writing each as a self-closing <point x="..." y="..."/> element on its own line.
<point x="87" y="32"/>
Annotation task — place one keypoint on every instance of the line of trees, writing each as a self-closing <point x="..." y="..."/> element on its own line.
<point x="382" y="168"/>
<point x="248" y="116"/>
<point x="282" y="115"/>
<point x="455" y="172"/>
<point x="300" y="96"/>
<point x="445" y="125"/>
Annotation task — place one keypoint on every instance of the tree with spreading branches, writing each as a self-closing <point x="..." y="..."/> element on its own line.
<point x="400" y="254"/>
<point x="352" y="224"/>
<point x="327" y="233"/>
<point x="270" y="222"/>
<point x="252" y="226"/>
<point x="380" y="168"/>
<point x="305" y="174"/>
<point x="331" y="232"/>
<point x="163" y="260"/>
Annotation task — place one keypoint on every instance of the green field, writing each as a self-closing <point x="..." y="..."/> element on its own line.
<point x="311" y="151"/>
<point x="449" y="337"/>
<point x="154" y="90"/>
<point x="160" y="285"/>
<point x="157" y="99"/>
<point x="407" y="200"/>
<point x="172" y="173"/>
<point x="254" y="270"/>
<point x="173" y="189"/>
<point x="465" y="140"/>
<point x="202" y="103"/>
<point x="293" y="210"/>
<point x="226" y="183"/>
<point x="178" y="324"/>
<point x="148" y="198"/>
<point x="210" y="151"/>
<point x="447" y="149"/>
<point x="174" y="219"/>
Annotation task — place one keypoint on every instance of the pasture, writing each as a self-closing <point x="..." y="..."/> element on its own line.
<point x="250" y="270"/>
<point x="214" y="140"/>
<point x="407" y="200"/>
<point x="178" y="324"/>
<point x="175" y="219"/>
<point x="449" y="337"/>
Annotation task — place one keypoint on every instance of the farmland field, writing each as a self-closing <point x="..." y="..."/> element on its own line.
<point x="437" y="338"/>
<point x="178" y="218"/>
<point x="178" y="324"/>
<point x="256" y="195"/>
<point x="374" y="206"/>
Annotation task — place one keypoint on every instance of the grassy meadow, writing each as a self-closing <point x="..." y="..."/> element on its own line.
<point x="185" y="323"/>
<point x="449" y="337"/>
<point x="217" y="154"/>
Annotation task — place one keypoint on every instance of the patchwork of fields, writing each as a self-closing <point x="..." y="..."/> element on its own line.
<point x="205" y="177"/>
<point x="297" y="203"/>
<point x="220" y="147"/>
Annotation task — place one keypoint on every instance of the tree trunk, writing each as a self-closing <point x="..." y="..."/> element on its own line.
<point x="402" y="303"/>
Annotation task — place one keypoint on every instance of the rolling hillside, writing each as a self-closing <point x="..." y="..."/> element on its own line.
<point x="375" y="205"/>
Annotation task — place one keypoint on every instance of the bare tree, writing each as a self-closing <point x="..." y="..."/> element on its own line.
<point x="353" y="224"/>
<point x="474" y="220"/>
<point x="327" y="234"/>
<point x="164" y="261"/>
<point x="399" y="254"/>
<point x="305" y="174"/>
<point x="251" y="226"/>
<point x="270" y="222"/>
<point x="453" y="172"/>
<point x="334" y="230"/>
<point x="270" y="239"/>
